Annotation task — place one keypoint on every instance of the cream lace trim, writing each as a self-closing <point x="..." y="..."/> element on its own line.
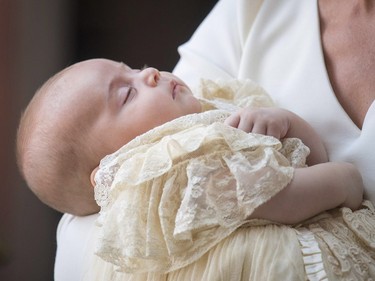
<point x="170" y="202"/>
<point x="348" y="238"/>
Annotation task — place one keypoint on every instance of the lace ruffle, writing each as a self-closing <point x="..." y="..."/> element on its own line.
<point x="110" y="164"/>
<point x="232" y="95"/>
<point x="172" y="200"/>
<point x="347" y="240"/>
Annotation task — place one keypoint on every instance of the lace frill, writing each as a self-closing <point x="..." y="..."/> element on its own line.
<point x="165" y="203"/>
<point x="347" y="239"/>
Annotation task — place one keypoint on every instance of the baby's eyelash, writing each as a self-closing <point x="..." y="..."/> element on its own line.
<point x="144" y="67"/>
<point x="128" y="94"/>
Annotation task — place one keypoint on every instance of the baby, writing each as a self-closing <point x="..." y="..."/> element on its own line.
<point x="93" y="108"/>
<point x="168" y="165"/>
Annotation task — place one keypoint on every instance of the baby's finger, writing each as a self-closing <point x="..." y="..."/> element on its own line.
<point x="233" y="120"/>
<point x="259" y="128"/>
<point x="245" y="125"/>
<point x="273" y="131"/>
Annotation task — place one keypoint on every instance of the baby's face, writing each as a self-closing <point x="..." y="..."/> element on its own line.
<point x="121" y="103"/>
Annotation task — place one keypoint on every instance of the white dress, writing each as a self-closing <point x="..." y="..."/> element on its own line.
<point x="277" y="44"/>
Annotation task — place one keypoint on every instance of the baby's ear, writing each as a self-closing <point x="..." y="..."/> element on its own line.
<point x="92" y="176"/>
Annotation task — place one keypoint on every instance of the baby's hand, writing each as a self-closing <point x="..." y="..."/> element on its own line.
<point x="269" y="121"/>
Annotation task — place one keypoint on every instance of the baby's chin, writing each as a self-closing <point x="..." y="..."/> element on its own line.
<point x="199" y="107"/>
<point x="195" y="106"/>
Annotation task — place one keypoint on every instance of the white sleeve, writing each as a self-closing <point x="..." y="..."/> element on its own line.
<point x="215" y="49"/>
<point x="75" y="246"/>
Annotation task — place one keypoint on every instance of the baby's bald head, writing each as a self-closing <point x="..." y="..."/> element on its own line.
<point x="51" y="150"/>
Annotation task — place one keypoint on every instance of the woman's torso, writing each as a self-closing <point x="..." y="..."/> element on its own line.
<point x="348" y="42"/>
<point x="292" y="68"/>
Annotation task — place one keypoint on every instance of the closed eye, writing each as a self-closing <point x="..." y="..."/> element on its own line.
<point x="129" y="94"/>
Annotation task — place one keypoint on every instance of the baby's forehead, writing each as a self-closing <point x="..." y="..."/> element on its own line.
<point x="78" y="76"/>
<point x="96" y="66"/>
<point x="91" y="73"/>
<point x="78" y="89"/>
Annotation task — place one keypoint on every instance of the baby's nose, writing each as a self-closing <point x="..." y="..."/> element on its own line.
<point x="151" y="76"/>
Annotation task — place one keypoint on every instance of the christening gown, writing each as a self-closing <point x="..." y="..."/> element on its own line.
<point x="175" y="202"/>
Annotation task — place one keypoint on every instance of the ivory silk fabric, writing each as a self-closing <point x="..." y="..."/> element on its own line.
<point x="337" y="245"/>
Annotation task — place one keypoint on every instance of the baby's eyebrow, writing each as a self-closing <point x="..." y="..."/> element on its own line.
<point x="111" y="89"/>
